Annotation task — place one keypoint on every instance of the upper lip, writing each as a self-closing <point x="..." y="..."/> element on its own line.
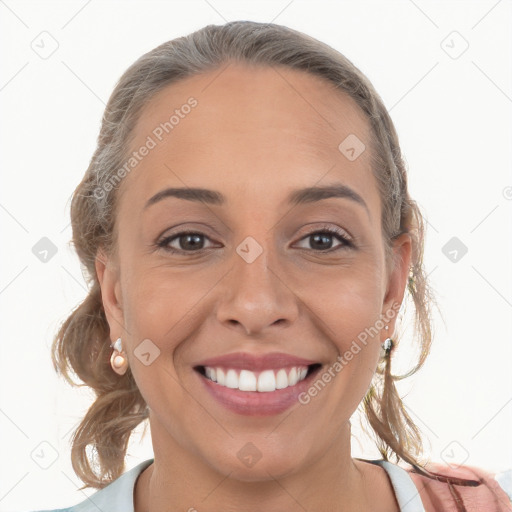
<point x="247" y="361"/>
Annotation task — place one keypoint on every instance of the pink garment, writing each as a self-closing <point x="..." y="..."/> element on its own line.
<point x="438" y="496"/>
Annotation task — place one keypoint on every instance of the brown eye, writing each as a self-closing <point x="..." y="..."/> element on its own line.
<point x="194" y="242"/>
<point x="322" y="240"/>
<point x="184" y="242"/>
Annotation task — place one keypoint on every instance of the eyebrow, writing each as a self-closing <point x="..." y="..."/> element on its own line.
<point x="296" y="197"/>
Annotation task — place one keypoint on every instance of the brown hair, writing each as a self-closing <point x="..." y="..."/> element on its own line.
<point x="82" y="343"/>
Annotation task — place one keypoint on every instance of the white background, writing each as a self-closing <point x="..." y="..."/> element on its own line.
<point x="453" y="118"/>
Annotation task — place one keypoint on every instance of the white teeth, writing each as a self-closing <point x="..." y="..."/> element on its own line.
<point x="281" y="379"/>
<point x="266" y="381"/>
<point x="211" y="373"/>
<point x="231" y="379"/>
<point x="246" y="381"/>
<point x="293" y="377"/>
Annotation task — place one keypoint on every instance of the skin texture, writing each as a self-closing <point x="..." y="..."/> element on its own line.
<point x="256" y="134"/>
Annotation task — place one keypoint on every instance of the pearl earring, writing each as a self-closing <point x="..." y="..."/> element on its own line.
<point x="387" y="345"/>
<point x="118" y="360"/>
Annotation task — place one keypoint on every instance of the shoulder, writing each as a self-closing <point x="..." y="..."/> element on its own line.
<point x="490" y="492"/>
<point x="118" y="494"/>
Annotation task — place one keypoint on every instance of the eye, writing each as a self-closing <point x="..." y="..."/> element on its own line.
<point x="321" y="240"/>
<point x="186" y="241"/>
<point x="191" y="241"/>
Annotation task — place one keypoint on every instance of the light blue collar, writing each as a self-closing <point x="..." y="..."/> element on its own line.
<point x="115" y="497"/>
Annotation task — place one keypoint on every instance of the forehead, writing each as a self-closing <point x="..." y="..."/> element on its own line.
<point x="252" y="127"/>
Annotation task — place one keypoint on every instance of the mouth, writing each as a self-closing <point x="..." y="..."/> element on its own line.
<point x="266" y="381"/>
<point x="264" y="393"/>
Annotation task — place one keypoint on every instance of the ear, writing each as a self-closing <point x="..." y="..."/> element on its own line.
<point x="108" y="276"/>
<point x="398" y="275"/>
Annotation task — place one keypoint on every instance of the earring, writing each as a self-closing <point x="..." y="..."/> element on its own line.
<point x="388" y="346"/>
<point x="118" y="360"/>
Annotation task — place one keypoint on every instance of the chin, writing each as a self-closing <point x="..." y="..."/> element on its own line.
<point x="261" y="472"/>
<point x="253" y="465"/>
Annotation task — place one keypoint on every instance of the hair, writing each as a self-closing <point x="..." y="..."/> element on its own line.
<point x="82" y="343"/>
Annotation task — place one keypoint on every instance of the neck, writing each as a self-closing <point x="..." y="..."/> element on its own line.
<point x="180" y="480"/>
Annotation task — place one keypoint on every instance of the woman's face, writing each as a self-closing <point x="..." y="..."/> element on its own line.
<point x="259" y="276"/>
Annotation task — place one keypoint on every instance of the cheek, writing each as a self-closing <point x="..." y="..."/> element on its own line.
<point x="166" y="305"/>
<point x="349" y="307"/>
<point x="338" y="306"/>
<point x="160" y="316"/>
<point x="348" y="299"/>
<point x="168" y="308"/>
<point x="160" y="303"/>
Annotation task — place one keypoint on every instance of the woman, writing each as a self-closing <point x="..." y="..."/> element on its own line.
<point x="249" y="236"/>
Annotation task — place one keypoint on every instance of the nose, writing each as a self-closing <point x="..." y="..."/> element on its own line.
<point x="256" y="296"/>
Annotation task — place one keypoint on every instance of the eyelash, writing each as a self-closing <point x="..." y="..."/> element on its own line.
<point x="163" y="244"/>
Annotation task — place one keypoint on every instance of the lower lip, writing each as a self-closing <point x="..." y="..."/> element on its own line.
<point x="256" y="403"/>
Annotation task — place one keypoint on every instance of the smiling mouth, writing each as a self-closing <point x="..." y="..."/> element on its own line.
<point x="263" y="381"/>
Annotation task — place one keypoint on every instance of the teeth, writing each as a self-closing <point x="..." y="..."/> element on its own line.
<point x="266" y="381"/>
<point x="293" y="377"/>
<point x="211" y="373"/>
<point x="246" y="381"/>
<point x="231" y="379"/>
<point x="281" y="379"/>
